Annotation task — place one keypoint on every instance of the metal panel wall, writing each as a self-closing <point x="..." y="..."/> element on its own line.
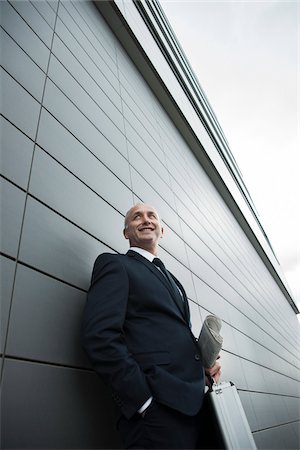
<point x="82" y="139"/>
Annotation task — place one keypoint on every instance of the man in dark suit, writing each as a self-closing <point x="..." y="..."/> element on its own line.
<point x="136" y="332"/>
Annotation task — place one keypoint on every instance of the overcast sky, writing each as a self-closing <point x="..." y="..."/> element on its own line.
<point x="246" y="57"/>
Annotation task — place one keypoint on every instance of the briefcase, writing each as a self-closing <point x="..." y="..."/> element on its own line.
<point x="224" y="424"/>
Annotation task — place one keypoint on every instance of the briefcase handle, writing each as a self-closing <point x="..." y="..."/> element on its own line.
<point x="210" y="382"/>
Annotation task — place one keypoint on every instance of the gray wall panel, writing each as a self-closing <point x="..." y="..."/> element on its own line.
<point x="149" y="195"/>
<point x="281" y="383"/>
<point x="19" y="107"/>
<point x="249" y="349"/>
<point x="232" y="370"/>
<point x="242" y="323"/>
<point x="196" y="320"/>
<point x="60" y="143"/>
<point x="21" y="67"/>
<point x="7" y="271"/>
<point x="98" y="53"/>
<point x="57" y="247"/>
<point x="70" y="116"/>
<point x="271" y="439"/>
<point x="23" y="35"/>
<point x="12" y="202"/>
<point x="93" y="25"/>
<point x="44" y="307"/>
<point x="264" y="323"/>
<point x="96" y="31"/>
<point x="201" y="269"/>
<point x="97" y="69"/>
<point x="89" y="78"/>
<point x="290" y="435"/>
<point x="229" y="343"/>
<point x="174" y="244"/>
<point x="202" y="249"/>
<point x="205" y="244"/>
<point x="185" y="196"/>
<point x="293" y="408"/>
<point x="45" y="11"/>
<point x="140" y="126"/>
<point x="56" y="140"/>
<point x="133" y="82"/>
<point x="174" y="143"/>
<point x="249" y="410"/>
<point x="266" y="415"/>
<point x="206" y="296"/>
<point x="15" y="146"/>
<point x="69" y="82"/>
<point x="146" y="163"/>
<point x="57" y="187"/>
<point x="94" y="65"/>
<point x="280" y="408"/>
<point x="86" y="167"/>
<point x="54" y="407"/>
<point x="255" y="378"/>
<point x="140" y="141"/>
<point x="53" y="4"/>
<point x="34" y="20"/>
<point x="142" y="111"/>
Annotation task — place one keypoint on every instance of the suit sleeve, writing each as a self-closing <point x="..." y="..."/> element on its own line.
<point x="103" y="337"/>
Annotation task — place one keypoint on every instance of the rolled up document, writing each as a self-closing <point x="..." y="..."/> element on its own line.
<point x="210" y="341"/>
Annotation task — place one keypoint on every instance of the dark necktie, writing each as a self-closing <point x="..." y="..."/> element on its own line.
<point x="158" y="263"/>
<point x="178" y="295"/>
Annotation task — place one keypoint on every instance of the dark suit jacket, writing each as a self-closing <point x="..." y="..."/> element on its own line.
<point x="138" y="338"/>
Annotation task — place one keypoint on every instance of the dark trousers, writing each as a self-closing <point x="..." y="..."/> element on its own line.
<point x="160" y="428"/>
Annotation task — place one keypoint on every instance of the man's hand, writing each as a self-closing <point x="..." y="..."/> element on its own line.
<point x="215" y="371"/>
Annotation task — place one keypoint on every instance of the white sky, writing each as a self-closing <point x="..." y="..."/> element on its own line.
<point x="246" y="57"/>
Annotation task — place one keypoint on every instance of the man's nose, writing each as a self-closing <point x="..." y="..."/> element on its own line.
<point x="146" y="219"/>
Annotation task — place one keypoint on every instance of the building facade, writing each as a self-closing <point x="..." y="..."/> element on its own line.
<point x="100" y="110"/>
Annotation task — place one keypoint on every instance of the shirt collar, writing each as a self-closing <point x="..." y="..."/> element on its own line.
<point x="143" y="253"/>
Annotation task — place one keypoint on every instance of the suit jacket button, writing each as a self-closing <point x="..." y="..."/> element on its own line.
<point x="197" y="357"/>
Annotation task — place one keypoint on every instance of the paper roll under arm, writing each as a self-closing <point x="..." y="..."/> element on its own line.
<point x="210" y="341"/>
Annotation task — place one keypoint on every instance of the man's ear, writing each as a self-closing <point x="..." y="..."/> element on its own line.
<point x="125" y="234"/>
<point x="162" y="232"/>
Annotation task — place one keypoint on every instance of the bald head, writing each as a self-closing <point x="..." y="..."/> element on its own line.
<point x="143" y="227"/>
<point x="137" y="207"/>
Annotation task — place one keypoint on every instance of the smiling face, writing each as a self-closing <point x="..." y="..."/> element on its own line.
<point x="143" y="227"/>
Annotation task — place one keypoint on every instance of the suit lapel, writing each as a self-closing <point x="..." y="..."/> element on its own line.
<point x="181" y="304"/>
<point x="151" y="267"/>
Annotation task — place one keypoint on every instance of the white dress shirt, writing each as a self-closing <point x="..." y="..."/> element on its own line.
<point x="144" y="253"/>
